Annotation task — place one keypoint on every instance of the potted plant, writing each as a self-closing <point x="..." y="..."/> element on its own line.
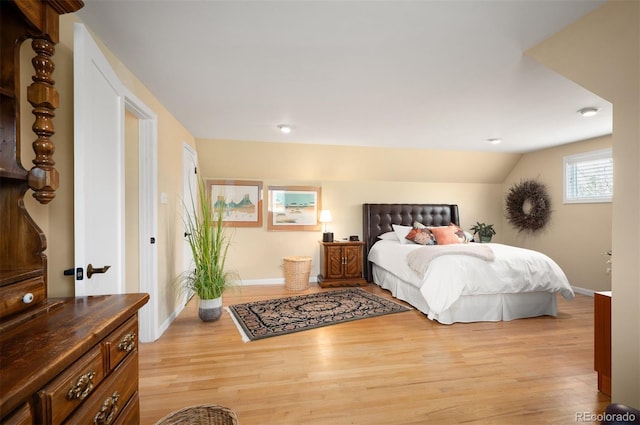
<point x="209" y="243"/>
<point x="484" y="231"/>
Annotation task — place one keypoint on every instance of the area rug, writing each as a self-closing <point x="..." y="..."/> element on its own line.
<point x="263" y="319"/>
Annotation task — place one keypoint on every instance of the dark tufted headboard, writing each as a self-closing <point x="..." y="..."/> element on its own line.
<point x="378" y="218"/>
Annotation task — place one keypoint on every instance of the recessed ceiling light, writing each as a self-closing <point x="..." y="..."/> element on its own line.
<point x="588" y="112"/>
<point x="284" y="128"/>
<point x="494" y="141"/>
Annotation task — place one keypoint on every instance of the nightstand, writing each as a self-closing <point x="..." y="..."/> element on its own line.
<point x="341" y="264"/>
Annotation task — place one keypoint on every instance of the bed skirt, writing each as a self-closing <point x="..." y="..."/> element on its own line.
<point x="472" y="308"/>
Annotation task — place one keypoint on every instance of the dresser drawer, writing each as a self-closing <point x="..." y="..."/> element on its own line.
<point x="60" y="397"/>
<point x="19" y="296"/>
<point x="130" y="413"/>
<point x="21" y="416"/>
<point x="122" y="341"/>
<point x="107" y="402"/>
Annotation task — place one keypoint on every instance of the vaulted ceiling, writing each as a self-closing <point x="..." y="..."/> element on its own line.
<point x="416" y="74"/>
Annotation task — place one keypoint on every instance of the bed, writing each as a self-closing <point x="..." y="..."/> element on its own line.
<point x="491" y="282"/>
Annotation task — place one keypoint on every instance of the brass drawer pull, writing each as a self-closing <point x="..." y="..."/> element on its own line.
<point x="82" y="388"/>
<point x="108" y="411"/>
<point x="128" y="343"/>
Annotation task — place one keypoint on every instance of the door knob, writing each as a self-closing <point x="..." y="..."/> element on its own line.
<point x="94" y="270"/>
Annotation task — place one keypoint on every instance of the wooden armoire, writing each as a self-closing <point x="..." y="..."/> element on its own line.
<point x="65" y="360"/>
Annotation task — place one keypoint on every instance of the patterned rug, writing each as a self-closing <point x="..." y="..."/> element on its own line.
<point x="263" y="319"/>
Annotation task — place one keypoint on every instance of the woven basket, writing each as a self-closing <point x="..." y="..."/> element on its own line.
<point x="205" y="414"/>
<point x="296" y="273"/>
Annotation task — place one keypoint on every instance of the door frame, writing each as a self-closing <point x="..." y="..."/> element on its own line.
<point x="147" y="213"/>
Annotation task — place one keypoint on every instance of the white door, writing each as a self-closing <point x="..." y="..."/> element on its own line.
<point x="189" y="191"/>
<point x="100" y="103"/>
<point x="98" y="171"/>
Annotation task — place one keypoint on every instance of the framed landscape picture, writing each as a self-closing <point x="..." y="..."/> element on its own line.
<point x="294" y="208"/>
<point x="242" y="200"/>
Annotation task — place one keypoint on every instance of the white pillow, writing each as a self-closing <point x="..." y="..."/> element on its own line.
<point x="468" y="236"/>
<point x="402" y="232"/>
<point x="389" y="236"/>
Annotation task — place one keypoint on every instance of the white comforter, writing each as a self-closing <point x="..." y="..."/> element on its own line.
<point x="450" y="276"/>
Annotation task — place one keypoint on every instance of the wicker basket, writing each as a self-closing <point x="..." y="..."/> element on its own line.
<point x="204" y="414"/>
<point x="296" y="273"/>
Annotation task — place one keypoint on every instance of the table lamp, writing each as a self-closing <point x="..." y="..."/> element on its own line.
<point x="325" y="217"/>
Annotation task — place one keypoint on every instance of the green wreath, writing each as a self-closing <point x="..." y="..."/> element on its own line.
<point x="528" y="205"/>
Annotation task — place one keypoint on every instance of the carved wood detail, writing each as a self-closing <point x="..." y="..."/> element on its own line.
<point x="22" y="244"/>
<point x="42" y="95"/>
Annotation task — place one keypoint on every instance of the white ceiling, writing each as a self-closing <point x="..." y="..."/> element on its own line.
<point x="416" y="74"/>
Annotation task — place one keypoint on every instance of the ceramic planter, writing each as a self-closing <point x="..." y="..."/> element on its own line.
<point x="210" y="310"/>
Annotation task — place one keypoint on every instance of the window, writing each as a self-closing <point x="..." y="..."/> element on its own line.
<point x="588" y="177"/>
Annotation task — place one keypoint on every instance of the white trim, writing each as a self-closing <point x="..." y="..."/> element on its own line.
<point x="173" y="316"/>
<point x="147" y="214"/>
<point x="275" y="281"/>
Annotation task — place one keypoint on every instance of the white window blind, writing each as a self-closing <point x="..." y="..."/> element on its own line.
<point x="588" y="177"/>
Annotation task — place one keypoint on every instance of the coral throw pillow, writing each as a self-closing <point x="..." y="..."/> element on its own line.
<point x="445" y="235"/>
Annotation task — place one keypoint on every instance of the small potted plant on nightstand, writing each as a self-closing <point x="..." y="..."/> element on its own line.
<point x="484" y="231"/>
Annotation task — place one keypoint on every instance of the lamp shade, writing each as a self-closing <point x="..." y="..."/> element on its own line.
<point x="325" y="216"/>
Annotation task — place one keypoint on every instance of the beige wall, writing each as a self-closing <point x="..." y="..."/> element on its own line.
<point x="577" y="234"/>
<point x="349" y="177"/>
<point x="354" y="181"/>
<point x="601" y="52"/>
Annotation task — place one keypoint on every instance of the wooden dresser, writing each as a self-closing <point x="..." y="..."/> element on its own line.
<point x="71" y="360"/>
<point x="76" y="363"/>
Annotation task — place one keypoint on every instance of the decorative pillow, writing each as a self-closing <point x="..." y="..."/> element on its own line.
<point x="401" y="232"/>
<point x="421" y="236"/>
<point x="468" y="236"/>
<point x="418" y="225"/>
<point x="389" y="236"/>
<point x="445" y="235"/>
<point x="460" y="233"/>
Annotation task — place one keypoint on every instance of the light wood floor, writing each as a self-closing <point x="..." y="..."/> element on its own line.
<point x="396" y="369"/>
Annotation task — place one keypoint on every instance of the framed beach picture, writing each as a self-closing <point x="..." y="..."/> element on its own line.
<point x="294" y="208"/>
<point x="242" y="201"/>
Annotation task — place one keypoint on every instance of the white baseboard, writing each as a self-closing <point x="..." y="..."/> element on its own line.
<point x="583" y="291"/>
<point x="276" y="281"/>
<point x="173" y="316"/>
